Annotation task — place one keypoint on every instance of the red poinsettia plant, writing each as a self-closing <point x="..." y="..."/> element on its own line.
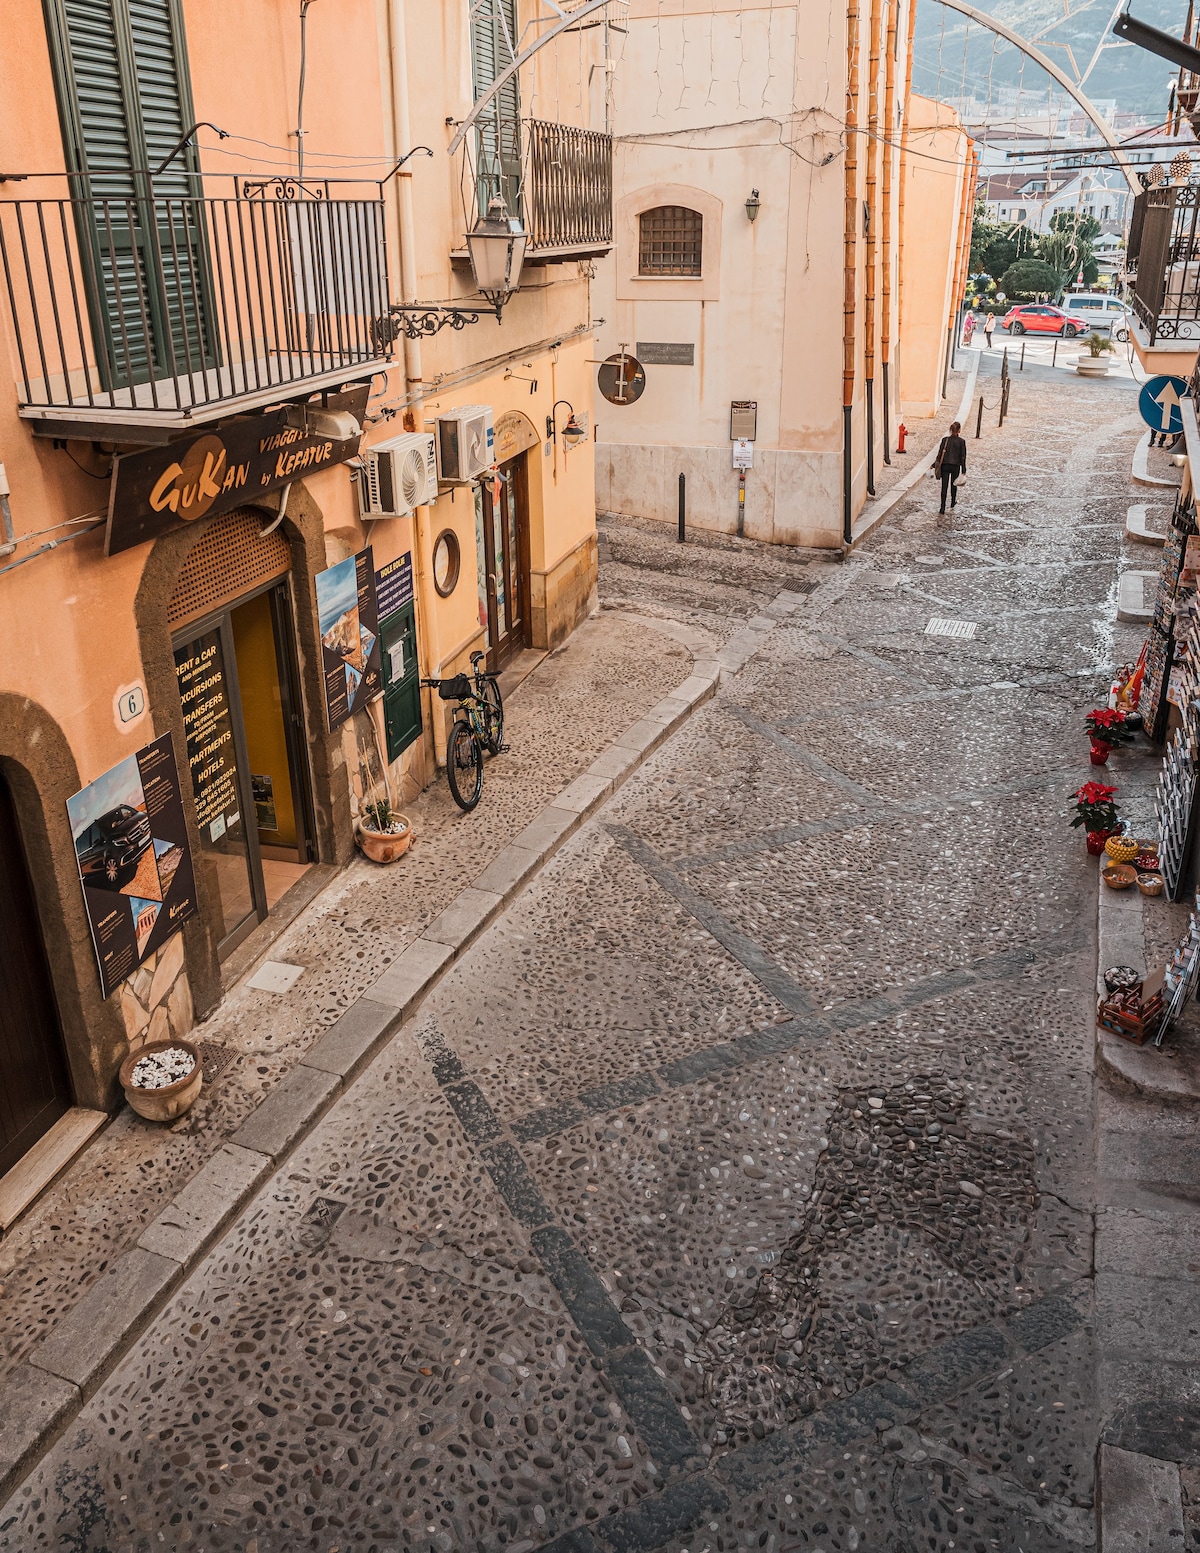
<point x="1107" y="726"/>
<point x="1094" y="807"/>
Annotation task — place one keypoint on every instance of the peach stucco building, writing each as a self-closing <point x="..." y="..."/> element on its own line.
<point x="197" y="360"/>
<point x="787" y="236"/>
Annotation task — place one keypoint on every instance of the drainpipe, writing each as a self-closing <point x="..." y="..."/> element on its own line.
<point x="872" y="156"/>
<point x="887" y="151"/>
<point x="850" y="279"/>
<point x="414" y="382"/>
<point x="905" y="159"/>
<point x="960" y="258"/>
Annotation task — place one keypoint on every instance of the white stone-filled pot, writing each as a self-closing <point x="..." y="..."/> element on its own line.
<point x="172" y="1100"/>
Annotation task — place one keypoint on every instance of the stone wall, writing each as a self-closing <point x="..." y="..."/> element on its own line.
<point x="156" y="1001"/>
<point x="563" y="596"/>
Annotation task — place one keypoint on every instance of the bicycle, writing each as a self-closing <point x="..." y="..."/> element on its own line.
<point x="478" y="726"/>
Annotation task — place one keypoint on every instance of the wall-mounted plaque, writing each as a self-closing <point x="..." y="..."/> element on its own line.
<point x="666" y="353"/>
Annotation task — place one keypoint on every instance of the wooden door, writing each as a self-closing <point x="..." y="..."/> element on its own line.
<point x="34" y="1089"/>
<point x="504" y="531"/>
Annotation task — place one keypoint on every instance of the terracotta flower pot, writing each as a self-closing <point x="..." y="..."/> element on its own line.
<point x="384" y="846"/>
<point x="1096" y="840"/>
<point x="172" y="1100"/>
<point x="1100" y="752"/>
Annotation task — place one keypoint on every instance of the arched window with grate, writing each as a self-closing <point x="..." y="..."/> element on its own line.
<point x="670" y="241"/>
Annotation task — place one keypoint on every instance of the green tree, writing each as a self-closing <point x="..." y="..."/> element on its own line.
<point x="1029" y="278"/>
<point x="1069" y="247"/>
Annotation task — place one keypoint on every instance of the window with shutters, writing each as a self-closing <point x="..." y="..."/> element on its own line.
<point x="125" y="103"/>
<point x="670" y="241"/>
<point x="498" y="130"/>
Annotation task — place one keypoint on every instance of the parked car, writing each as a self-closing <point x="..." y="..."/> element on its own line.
<point x="1098" y="313"/>
<point x="1039" y="318"/>
<point x="110" y="848"/>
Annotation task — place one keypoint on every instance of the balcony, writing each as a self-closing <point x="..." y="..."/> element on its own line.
<point x="137" y="317"/>
<point x="563" y="185"/>
<point x="1163" y="256"/>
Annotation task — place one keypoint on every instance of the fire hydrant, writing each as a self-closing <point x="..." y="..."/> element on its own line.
<point x="901" y="433"/>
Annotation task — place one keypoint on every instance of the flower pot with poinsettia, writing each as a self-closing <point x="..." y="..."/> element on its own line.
<point x="1105" y="728"/>
<point x="1097" y="813"/>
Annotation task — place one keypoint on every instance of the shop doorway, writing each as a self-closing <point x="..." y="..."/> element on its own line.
<point x="502" y="559"/>
<point x="34" y="1088"/>
<point x="239" y="690"/>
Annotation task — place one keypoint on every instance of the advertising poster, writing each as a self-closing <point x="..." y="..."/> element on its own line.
<point x="134" y="862"/>
<point x="349" y="623"/>
<point x="394" y="585"/>
<point x="208" y="728"/>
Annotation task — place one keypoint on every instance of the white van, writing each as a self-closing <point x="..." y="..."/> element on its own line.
<point x="1098" y="312"/>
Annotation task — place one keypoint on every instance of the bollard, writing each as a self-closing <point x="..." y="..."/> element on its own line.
<point x="1054" y="358"/>
<point x="682" y="509"/>
<point x="979" y="419"/>
<point x="1021" y="368"/>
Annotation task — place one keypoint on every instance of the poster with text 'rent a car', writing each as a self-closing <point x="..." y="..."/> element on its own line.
<point x="349" y="621"/>
<point x="135" y="864"/>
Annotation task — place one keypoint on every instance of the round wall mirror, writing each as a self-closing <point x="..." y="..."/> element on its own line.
<point x="447" y="558"/>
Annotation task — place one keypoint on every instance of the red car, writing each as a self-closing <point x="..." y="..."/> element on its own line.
<point x="1039" y="318"/>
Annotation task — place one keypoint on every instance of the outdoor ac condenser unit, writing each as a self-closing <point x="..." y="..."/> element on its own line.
<point x="400" y="475"/>
<point x="464" y="443"/>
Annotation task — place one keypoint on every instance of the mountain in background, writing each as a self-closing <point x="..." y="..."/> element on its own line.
<point x="955" y="58"/>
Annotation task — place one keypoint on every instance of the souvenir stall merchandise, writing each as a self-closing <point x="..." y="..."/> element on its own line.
<point x="1176" y="588"/>
<point x="1175" y="799"/>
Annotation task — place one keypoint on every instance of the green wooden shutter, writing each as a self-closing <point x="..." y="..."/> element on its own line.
<point x="124" y="102"/>
<point x="498" y="137"/>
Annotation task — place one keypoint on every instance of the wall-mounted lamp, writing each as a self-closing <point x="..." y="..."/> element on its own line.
<point x="572" y="433"/>
<point x="753" y="205"/>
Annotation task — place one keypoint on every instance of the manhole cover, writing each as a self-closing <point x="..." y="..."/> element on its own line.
<point x="214" y="1058"/>
<point x="960" y="628"/>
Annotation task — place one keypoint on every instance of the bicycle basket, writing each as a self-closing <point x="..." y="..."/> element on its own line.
<point x="455" y="689"/>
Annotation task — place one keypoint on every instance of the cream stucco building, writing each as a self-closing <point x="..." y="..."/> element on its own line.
<point x="789" y="221"/>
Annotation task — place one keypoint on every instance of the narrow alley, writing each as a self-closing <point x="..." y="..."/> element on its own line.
<point x="738" y="1187"/>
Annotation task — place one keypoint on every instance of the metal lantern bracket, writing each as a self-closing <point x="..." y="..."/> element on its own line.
<point x="420" y="319"/>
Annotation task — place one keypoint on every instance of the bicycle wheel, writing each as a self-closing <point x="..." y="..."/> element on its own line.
<point x="494" y="711"/>
<point x="464" y="766"/>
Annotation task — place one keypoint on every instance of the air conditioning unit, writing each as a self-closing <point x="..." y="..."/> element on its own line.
<point x="400" y="475"/>
<point x="465" y="440"/>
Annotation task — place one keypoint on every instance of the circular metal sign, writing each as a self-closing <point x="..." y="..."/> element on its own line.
<point x="621" y="378"/>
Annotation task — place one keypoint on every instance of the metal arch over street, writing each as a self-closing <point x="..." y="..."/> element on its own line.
<point x="1063" y="80"/>
<point x="567" y="21"/>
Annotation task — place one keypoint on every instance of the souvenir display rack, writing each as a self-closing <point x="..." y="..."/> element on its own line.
<point x="1175" y="585"/>
<point x="1175" y="800"/>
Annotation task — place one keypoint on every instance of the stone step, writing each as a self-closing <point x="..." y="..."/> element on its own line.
<point x="1131" y="596"/>
<point x="1141" y="1509"/>
<point x="1137" y="528"/>
<point x="1141" y="470"/>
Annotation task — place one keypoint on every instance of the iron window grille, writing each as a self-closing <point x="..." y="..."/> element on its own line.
<point x="670" y="241"/>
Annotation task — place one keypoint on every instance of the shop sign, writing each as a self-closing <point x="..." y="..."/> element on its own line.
<point x="349" y="622"/>
<point x="163" y="488"/>
<point x="514" y="433"/>
<point x="394" y="585"/>
<point x="135" y="865"/>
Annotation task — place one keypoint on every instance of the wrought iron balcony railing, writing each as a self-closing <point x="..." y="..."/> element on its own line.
<point x="152" y="310"/>
<point x="1164" y="255"/>
<point x="568" y="193"/>
<point x="558" y="176"/>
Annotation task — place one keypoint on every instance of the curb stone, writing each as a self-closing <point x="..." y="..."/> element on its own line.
<point x="69" y="1365"/>
<point x="1141" y="466"/>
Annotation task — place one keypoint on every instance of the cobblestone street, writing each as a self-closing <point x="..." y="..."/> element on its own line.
<point x="737" y="1188"/>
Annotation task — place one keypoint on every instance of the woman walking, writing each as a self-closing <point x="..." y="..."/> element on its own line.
<point x="950" y="464"/>
<point x="989" y="325"/>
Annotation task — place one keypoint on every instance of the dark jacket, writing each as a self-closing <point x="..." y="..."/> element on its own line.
<point x="952" y="454"/>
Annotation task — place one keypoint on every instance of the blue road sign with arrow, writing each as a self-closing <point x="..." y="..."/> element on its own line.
<point x="1159" y="404"/>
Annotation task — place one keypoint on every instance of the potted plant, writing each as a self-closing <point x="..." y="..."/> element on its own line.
<point x="1097" y="813"/>
<point x="381" y="833"/>
<point x="1094" y="364"/>
<point x="1106" y="728"/>
<point x="162" y="1079"/>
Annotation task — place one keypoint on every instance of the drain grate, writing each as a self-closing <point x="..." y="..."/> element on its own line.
<point x="964" y="629"/>
<point x="215" y="1058"/>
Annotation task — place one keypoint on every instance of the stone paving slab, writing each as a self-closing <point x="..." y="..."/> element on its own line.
<point x="36" y="1406"/>
<point x="84" y="1345"/>
<point x="182" y="1230"/>
<point x="288" y="1111"/>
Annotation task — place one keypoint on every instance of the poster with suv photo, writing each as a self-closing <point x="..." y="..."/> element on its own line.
<point x="135" y="864"/>
<point x="349" y="621"/>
